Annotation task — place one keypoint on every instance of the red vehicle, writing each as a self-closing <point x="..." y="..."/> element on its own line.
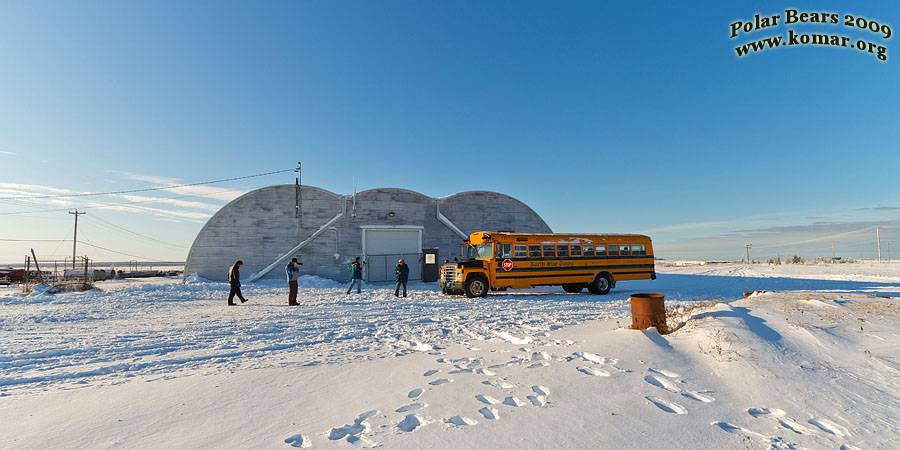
<point x="12" y="275"/>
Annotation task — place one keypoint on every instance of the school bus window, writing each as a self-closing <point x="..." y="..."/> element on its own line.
<point x="506" y="250"/>
<point x="638" y="249"/>
<point x="521" y="251"/>
<point x="576" y="250"/>
<point x="588" y="249"/>
<point x="562" y="251"/>
<point x="534" y="251"/>
<point x="601" y="250"/>
<point x="624" y="250"/>
<point x="613" y="249"/>
<point x="549" y="251"/>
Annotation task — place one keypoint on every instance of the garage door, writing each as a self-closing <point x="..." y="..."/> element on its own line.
<point x="385" y="247"/>
<point x="392" y="242"/>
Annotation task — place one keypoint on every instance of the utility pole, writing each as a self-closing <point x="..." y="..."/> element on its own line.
<point x="747" y="248"/>
<point x="889" y="251"/>
<point x="832" y="252"/>
<point x="75" y="237"/>
<point x="878" y="238"/>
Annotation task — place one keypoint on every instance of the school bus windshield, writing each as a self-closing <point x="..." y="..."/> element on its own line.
<point x="480" y="251"/>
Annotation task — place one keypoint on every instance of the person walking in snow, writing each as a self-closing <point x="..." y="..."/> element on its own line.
<point x="292" y="269"/>
<point x="402" y="271"/>
<point x="234" y="279"/>
<point x="355" y="276"/>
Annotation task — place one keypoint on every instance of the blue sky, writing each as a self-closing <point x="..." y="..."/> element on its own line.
<point x="631" y="117"/>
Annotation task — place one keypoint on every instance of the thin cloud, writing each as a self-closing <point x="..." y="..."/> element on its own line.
<point x="210" y="192"/>
<point x="686" y="226"/>
<point x="34" y="189"/>
<point x="4" y="152"/>
<point x="190" y="216"/>
<point x="172" y="201"/>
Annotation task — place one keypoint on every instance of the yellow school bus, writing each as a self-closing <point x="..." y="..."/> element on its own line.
<point x="505" y="259"/>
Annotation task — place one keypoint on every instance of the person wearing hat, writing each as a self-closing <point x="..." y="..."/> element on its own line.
<point x="402" y="271"/>
<point x="293" y="272"/>
<point x="234" y="279"/>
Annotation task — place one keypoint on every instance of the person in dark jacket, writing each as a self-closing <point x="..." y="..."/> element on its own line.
<point x="292" y="269"/>
<point x="355" y="276"/>
<point x="234" y="279"/>
<point x="402" y="271"/>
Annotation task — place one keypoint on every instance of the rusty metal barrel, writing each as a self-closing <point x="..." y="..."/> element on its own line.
<point x="648" y="310"/>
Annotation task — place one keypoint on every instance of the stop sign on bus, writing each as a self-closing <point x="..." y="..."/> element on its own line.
<point x="507" y="265"/>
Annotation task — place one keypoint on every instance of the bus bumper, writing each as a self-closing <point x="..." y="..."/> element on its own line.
<point x="454" y="285"/>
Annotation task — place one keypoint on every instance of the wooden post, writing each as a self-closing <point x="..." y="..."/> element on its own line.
<point x="37" y="267"/>
<point x="878" y="238"/>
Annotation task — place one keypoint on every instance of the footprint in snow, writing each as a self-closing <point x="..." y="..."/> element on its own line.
<point x="486" y="399"/>
<point x="360" y="441"/>
<point x="663" y="372"/>
<point x="731" y="428"/>
<point x="461" y="421"/>
<point x="489" y="413"/>
<point x="358" y="427"/>
<point x="766" y="412"/>
<point x="541" y="390"/>
<point x="513" y="401"/>
<point x="299" y="441"/>
<point x="538" y="365"/>
<point x="431" y="372"/>
<point x="483" y="371"/>
<point x="440" y="381"/>
<point x="662" y="383"/>
<point x="829" y="427"/>
<point x="415" y="393"/>
<point x="499" y="383"/>
<point x="537" y="400"/>
<point x="412" y="407"/>
<point x="792" y="425"/>
<point x="593" y="372"/>
<point x="410" y="423"/>
<point x="700" y="397"/>
<point x="666" y="406"/>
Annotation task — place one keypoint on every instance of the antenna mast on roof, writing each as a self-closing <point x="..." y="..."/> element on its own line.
<point x="297" y="193"/>
<point x="354" y="198"/>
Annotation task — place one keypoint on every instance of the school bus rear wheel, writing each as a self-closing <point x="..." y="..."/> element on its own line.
<point x="476" y="287"/>
<point x="601" y="285"/>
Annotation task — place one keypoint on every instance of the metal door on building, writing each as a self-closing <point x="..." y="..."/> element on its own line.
<point x="430" y="265"/>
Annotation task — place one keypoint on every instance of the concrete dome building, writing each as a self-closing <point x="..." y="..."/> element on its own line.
<point x="267" y="227"/>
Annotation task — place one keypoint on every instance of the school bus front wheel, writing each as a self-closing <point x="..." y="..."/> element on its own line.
<point x="476" y="286"/>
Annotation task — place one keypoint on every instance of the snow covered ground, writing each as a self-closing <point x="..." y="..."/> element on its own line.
<point x="159" y="364"/>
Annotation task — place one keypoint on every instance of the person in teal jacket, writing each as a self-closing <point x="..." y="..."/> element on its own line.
<point x="355" y="276"/>
<point x="402" y="271"/>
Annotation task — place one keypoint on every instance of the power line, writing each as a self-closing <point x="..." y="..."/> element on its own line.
<point x="133" y="233"/>
<point x="35" y="240"/>
<point x="132" y="191"/>
<point x="112" y="204"/>
<point x="121" y="253"/>
<point x="815" y="239"/>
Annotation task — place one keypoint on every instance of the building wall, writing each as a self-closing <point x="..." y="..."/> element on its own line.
<point x="261" y="226"/>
